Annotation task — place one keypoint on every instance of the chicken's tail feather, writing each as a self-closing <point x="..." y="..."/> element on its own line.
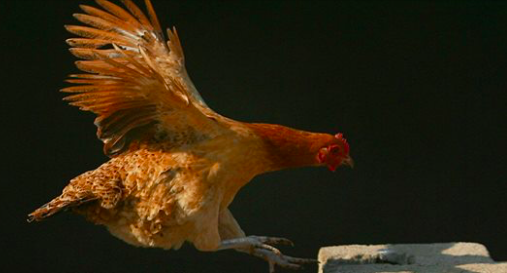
<point x="56" y="205"/>
<point x="48" y="209"/>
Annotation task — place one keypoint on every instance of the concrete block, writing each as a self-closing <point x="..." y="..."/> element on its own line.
<point x="409" y="258"/>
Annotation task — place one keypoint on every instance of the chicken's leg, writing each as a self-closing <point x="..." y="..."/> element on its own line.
<point x="260" y="246"/>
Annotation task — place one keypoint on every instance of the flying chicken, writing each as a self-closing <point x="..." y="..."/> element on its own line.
<point x="175" y="164"/>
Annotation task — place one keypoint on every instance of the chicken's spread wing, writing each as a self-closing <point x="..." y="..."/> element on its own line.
<point x="136" y="82"/>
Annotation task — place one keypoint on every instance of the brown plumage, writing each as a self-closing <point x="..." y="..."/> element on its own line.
<point x="175" y="165"/>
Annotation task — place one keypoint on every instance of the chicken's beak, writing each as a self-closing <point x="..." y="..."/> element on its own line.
<point x="348" y="161"/>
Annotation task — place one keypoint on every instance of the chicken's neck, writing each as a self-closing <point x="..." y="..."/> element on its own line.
<point x="289" y="148"/>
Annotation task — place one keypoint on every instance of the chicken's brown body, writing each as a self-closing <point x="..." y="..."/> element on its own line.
<point x="176" y="164"/>
<point x="159" y="197"/>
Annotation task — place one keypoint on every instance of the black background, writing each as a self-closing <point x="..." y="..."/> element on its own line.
<point x="416" y="87"/>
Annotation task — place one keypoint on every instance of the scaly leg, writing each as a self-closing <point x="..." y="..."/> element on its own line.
<point x="259" y="246"/>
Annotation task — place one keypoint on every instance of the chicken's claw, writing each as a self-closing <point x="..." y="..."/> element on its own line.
<point x="261" y="246"/>
<point x="281" y="260"/>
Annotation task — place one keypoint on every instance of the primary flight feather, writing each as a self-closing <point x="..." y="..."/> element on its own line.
<point x="175" y="164"/>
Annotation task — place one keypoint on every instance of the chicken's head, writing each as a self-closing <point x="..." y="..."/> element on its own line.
<point x="335" y="153"/>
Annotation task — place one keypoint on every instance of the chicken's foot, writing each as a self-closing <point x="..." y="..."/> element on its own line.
<point x="260" y="246"/>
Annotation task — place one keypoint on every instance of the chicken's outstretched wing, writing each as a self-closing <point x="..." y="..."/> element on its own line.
<point x="136" y="82"/>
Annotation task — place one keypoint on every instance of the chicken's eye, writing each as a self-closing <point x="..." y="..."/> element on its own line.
<point x="335" y="150"/>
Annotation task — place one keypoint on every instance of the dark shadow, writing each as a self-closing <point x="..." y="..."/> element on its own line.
<point x="397" y="258"/>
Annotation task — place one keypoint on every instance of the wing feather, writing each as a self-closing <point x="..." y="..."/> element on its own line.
<point x="120" y="13"/>
<point x="153" y="17"/>
<point x="137" y="82"/>
<point x="106" y="16"/>
<point x="137" y="13"/>
<point x="87" y="43"/>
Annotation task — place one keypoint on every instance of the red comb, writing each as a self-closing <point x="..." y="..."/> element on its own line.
<point x="346" y="146"/>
